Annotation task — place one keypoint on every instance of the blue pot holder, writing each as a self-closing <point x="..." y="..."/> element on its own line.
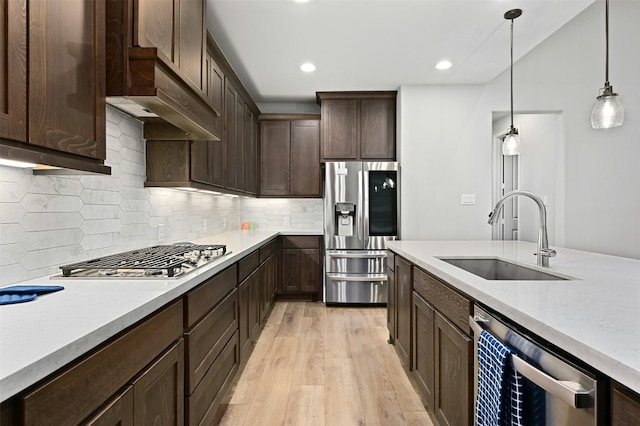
<point x="25" y="293"/>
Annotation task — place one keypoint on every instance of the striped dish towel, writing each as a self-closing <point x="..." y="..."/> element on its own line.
<point x="499" y="401"/>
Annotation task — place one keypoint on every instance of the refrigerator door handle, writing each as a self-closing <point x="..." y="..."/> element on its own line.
<point x="363" y="255"/>
<point x="347" y="277"/>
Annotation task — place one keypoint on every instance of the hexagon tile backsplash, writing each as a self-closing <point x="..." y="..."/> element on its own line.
<point x="48" y="221"/>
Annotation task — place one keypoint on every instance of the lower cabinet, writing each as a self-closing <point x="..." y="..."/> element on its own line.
<point x="391" y="296"/>
<point x="625" y="406"/>
<point x="248" y="303"/>
<point x="269" y="260"/>
<point x="151" y="374"/>
<point x="403" y="275"/>
<point x="442" y="362"/>
<point x="301" y="266"/>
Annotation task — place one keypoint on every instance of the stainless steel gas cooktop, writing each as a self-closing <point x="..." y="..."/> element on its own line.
<point x="164" y="261"/>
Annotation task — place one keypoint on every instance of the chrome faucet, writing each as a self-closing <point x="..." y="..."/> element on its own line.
<point x="544" y="252"/>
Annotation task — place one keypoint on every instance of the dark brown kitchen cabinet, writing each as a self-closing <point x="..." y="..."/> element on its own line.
<point x="358" y="125"/>
<point x="301" y="266"/>
<point x="391" y="296"/>
<point x="157" y="58"/>
<point x="423" y="356"/>
<point x="403" y="275"/>
<point x="52" y="89"/>
<point x="212" y="345"/>
<point x="81" y="389"/>
<point x="290" y="155"/>
<point x="269" y="274"/>
<point x="625" y="406"/>
<point x="443" y="349"/>
<point x="248" y="303"/>
<point x="250" y="151"/>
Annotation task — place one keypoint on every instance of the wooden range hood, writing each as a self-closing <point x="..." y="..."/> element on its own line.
<point x="147" y="83"/>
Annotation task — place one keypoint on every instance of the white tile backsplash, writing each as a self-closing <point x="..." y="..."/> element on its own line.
<point x="48" y="221"/>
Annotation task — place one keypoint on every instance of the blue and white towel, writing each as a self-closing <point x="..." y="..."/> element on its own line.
<point x="499" y="400"/>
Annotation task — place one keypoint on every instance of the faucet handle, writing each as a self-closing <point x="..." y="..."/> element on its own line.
<point x="548" y="252"/>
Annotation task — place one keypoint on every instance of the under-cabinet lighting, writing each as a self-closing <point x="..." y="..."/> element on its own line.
<point x="186" y="188"/>
<point x="206" y="191"/>
<point x="14" y="163"/>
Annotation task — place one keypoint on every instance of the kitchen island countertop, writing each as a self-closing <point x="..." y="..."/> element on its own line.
<point x="593" y="317"/>
<point x="39" y="337"/>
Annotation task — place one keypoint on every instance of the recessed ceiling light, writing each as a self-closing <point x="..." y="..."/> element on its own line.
<point x="443" y="65"/>
<point x="301" y="1"/>
<point x="308" y="67"/>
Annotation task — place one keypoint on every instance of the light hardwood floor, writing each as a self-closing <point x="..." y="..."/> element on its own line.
<point x="317" y="365"/>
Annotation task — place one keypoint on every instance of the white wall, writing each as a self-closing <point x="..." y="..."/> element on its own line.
<point x="444" y="153"/>
<point x="48" y="221"/>
<point x="601" y="174"/>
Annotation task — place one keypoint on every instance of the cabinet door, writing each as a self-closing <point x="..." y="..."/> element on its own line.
<point x="274" y="157"/>
<point x="119" y="412"/>
<point x="67" y="76"/>
<point x="240" y="144"/>
<point x="310" y="275"/>
<point x="250" y="152"/>
<point x="339" y="129"/>
<point x="423" y="360"/>
<point x="200" y="171"/>
<point x="243" y="317"/>
<point x="305" y="158"/>
<point x="192" y="40"/>
<point x="391" y="305"/>
<point x="13" y="66"/>
<point x="454" y="369"/>
<point x="158" y="394"/>
<point x="377" y="129"/>
<point x="625" y="407"/>
<point x="403" y="310"/>
<point x="230" y="136"/>
<point x="290" y="271"/>
<point x="155" y="25"/>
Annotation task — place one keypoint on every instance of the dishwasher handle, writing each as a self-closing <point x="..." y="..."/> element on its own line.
<point x="571" y="393"/>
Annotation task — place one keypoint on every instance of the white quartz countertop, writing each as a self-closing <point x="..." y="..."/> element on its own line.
<point x="593" y="317"/>
<point x="39" y="337"/>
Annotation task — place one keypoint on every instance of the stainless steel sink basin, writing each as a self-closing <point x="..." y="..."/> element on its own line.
<point x="496" y="269"/>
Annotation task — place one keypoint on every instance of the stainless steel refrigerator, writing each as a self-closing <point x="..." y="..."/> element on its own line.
<point x="361" y="213"/>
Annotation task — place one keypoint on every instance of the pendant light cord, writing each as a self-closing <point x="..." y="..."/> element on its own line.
<point x="512" y="73"/>
<point x="606" y="37"/>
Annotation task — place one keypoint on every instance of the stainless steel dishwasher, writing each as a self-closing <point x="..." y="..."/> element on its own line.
<point x="567" y="395"/>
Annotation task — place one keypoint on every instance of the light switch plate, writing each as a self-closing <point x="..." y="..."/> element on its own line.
<point x="468" y="199"/>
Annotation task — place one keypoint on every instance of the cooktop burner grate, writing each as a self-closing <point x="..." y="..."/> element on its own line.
<point x="169" y="258"/>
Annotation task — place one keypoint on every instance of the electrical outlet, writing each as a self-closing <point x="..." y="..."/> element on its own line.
<point x="205" y="226"/>
<point x="161" y="232"/>
<point x="287" y="221"/>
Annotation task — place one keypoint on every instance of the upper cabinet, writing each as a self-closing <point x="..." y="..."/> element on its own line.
<point x="358" y="125"/>
<point x="228" y="164"/>
<point x="157" y="63"/>
<point x="290" y="155"/>
<point x="52" y="89"/>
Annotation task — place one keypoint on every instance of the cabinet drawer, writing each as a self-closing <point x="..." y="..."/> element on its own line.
<point x="77" y="392"/>
<point x="268" y="249"/>
<point x="202" y="406"/>
<point x="301" y="242"/>
<point x="207" y="339"/>
<point x="247" y="265"/>
<point x="203" y="298"/>
<point x="452" y="304"/>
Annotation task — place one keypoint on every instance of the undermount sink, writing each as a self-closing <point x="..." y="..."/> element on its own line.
<point x="496" y="269"/>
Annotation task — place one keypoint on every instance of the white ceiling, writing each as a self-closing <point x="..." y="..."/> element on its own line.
<point x="375" y="44"/>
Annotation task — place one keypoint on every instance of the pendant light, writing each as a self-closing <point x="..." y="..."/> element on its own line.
<point x="511" y="142"/>
<point x="608" y="111"/>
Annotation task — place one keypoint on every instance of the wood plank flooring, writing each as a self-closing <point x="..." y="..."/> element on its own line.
<point x="317" y="365"/>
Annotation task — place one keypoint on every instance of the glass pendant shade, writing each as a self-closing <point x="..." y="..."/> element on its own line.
<point x="608" y="111"/>
<point x="511" y="143"/>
